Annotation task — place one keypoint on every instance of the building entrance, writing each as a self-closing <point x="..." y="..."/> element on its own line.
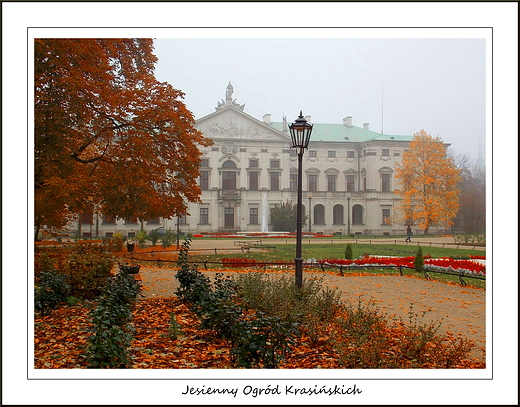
<point x="229" y="218"/>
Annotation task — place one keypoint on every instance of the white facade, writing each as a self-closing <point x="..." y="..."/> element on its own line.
<point x="348" y="178"/>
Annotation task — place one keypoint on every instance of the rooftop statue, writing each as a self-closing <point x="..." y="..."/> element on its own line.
<point x="229" y="101"/>
<point x="229" y="91"/>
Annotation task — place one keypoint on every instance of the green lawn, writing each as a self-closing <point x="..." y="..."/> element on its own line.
<point x="286" y="253"/>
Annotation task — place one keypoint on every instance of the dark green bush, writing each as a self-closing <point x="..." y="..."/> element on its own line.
<point x="348" y="252"/>
<point x="50" y="290"/>
<point x="153" y="236"/>
<point x="262" y="340"/>
<point x="88" y="270"/>
<point x="112" y="332"/>
<point x="193" y="285"/>
<point x="418" y="263"/>
<point x="168" y="238"/>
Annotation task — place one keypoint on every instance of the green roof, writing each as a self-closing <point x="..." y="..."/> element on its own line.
<point x="342" y="133"/>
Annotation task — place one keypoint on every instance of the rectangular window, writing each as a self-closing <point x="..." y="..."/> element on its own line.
<point x="313" y="182"/>
<point x="275" y="181"/>
<point x="131" y="221"/>
<point x="313" y="153"/>
<point x="182" y="219"/>
<point x="253" y="163"/>
<point x="229" y="180"/>
<point x="86" y="218"/>
<point x="350" y="183"/>
<point x="274" y="163"/>
<point x="386" y="216"/>
<point x="332" y="154"/>
<point x="204" y="216"/>
<point x="253" y="181"/>
<point x="293" y="153"/>
<point x="350" y="154"/>
<point x="331" y="183"/>
<point x="109" y="220"/>
<point x="204" y="180"/>
<point x="253" y="216"/>
<point x="154" y="221"/>
<point x="385" y="181"/>
<point x="385" y="151"/>
<point x="293" y="182"/>
<point x="204" y="162"/>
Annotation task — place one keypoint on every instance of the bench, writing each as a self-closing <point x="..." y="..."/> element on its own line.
<point x="247" y="243"/>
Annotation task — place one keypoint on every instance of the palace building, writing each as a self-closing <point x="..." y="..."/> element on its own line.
<point x="348" y="178"/>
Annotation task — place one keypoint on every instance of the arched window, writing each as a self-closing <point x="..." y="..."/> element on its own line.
<point x="229" y="177"/>
<point x="337" y="215"/>
<point x="319" y="214"/>
<point x="229" y="164"/>
<point x="357" y="215"/>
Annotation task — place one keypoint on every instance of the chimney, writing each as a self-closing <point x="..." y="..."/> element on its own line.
<point x="347" y="121"/>
<point x="308" y="118"/>
<point x="365" y="126"/>
<point x="267" y="118"/>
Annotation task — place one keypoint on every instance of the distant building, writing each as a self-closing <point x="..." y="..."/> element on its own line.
<point x="348" y="178"/>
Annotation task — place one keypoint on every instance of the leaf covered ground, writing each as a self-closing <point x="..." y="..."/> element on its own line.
<point x="61" y="339"/>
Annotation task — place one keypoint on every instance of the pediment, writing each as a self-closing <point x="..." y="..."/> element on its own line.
<point x="231" y="123"/>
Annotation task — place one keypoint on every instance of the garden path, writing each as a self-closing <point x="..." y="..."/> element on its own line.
<point x="460" y="310"/>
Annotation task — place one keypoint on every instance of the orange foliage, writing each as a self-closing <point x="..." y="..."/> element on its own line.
<point x="61" y="338"/>
<point x="109" y="137"/>
<point x="429" y="181"/>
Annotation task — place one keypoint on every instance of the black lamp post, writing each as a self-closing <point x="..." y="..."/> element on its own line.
<point x="300" y="136"/>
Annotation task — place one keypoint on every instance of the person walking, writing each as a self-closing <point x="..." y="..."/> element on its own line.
<point x="409" y="234"/>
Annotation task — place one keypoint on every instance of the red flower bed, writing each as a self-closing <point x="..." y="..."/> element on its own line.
<point x="408" y="262"/>
<point x="475" y="257"/>
<point x="241" y="262"/>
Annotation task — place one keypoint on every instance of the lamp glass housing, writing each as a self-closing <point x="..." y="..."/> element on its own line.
<point x="300" y="133"/>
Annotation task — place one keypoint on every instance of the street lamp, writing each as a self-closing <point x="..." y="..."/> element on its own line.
<point x="300" y="136"/>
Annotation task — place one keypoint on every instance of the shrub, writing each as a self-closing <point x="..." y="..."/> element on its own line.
<point x="115" y="243"/>
<point x="153" y="236"/>
<point x="262" y="340"/>
<point x="141" y="238"/>
<point x="348" y="252"/>
<point x="313" y="306"/>
<point x="360" y="339"/>
<point x="366" y="339"/>
<point x="174" y="331"/>
<point x="111" y="332"/>
<point x="51" y="289"/>
<point x="470" y="238"/>
<point x="88" y="269"/>
<point x="418" y="263"/>
<point x="168" y="238"/>
<point x="193" y="285"/>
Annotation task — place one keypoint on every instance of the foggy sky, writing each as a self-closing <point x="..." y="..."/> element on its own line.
<point x="398" y="85"/>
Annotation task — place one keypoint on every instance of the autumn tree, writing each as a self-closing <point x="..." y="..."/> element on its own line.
<point x="108" y="137"/>
<point x="471" y="217"/>
<point x="429" y="179"/>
